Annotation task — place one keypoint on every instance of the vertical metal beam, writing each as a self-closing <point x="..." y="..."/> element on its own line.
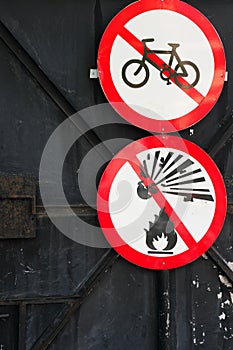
<point x="167" y="339"/>
<point x="22" y="326"/>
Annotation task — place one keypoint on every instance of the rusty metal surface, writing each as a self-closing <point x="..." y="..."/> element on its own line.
<point x="17" y="207"/>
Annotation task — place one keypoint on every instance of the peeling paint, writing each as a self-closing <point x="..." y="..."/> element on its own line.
<point x="230" y="264"/>
<point x="167" y="326"/>
<point x="222" y="316"/>
<point x="191" y="132"/>
<point x="196" y="283"/>
<point x="231" y="295"/>
<point x="225" y="281"/>
<point x="28" y="269"/>
<point x="199" y="334"/>
<point x="205" y="256"/>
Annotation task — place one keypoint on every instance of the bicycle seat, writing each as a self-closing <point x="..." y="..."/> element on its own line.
<point x="174" y="46"/>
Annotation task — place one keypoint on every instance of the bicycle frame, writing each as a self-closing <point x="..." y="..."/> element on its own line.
<point x="167" y="73"/>
<point x="171" y="52"/>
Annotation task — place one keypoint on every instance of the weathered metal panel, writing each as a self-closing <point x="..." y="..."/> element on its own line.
<point x="188" y="308"/>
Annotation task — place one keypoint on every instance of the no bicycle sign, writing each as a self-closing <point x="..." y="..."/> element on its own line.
<point x="161" y="202"/>
<point x="164" y="62"/>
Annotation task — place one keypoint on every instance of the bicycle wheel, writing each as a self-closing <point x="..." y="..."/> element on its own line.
<point x="135" y="73"/>
<point x="193" y="74"/>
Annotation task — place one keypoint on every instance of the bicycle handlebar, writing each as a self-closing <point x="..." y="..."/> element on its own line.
<point x="148" y="40"/>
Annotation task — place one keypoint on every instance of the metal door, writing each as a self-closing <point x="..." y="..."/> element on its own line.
<point x="55" y="293"/>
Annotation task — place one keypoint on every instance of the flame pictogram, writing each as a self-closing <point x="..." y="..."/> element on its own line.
<point x="161" y="236"/>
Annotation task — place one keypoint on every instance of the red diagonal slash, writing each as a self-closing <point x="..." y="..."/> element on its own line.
<point x="133" y="41"/>
<point x="163" y="203"/>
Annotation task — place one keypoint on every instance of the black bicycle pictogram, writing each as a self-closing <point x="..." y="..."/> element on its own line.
<point x="166" y="71"/>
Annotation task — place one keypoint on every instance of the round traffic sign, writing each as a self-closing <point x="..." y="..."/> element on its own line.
<point x="161" y="202"/>
<point x="164" y="62"/>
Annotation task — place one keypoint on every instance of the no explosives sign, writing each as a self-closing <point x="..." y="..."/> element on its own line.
<point x="161" y="202"/>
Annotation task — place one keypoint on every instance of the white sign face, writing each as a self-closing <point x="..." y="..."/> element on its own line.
<point x="191" y="195"/>
<point x="165" y="203"/>
<point x="164" y="62"/>
<point x="156" y="99"/>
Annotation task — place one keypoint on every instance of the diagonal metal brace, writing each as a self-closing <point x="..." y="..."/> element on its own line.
<point x="84" y="289"/>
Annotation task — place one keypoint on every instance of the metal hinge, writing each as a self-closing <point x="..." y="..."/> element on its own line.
<point x="17" y="207"/>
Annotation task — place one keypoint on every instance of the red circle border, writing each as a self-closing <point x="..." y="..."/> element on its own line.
<point x="112" y="236"/>
<point x="109" y="36"/>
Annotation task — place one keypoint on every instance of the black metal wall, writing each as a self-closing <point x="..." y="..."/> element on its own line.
<point x="57" y="294"/>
